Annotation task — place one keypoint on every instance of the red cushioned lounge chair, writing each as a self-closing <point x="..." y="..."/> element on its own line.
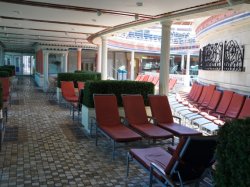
<point x="192" y="157"/>
<point x="109" y="123"/>
<point x="245" y="111"/>
<point x="172" y="83"/>
<point x="80" y="86"/>
<point x="203" y="101"/>
<point x="233" y="109"/>
<point x="69" y="95"/>
<point x="5" y="81"/>
<point x="202" y="110"/>
<point x="137" y="119"/>
<point x="138" y="77"/>
<point x="220" y="110"/>
<point x="162" y="114"/>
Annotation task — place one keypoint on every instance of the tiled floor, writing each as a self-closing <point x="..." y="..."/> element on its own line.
<point x="43" y="147"/>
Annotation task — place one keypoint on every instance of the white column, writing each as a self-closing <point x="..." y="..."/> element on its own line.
<point x="99" y="59"/>
<point x="187" y="82"/>
<point x="79" y="59"/>
<point x="45" y="70"/>
<point x="65" y="62"/>
<point x="182" y="62"/>
<point x="104" y="58"/>
<point x="165" y="57"/>
<point x="132" y="66"/>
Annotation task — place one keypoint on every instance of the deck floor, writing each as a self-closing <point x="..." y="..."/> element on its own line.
<point x="44" y="147"/>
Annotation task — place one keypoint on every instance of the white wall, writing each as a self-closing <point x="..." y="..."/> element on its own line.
<point x="236" y="81"/>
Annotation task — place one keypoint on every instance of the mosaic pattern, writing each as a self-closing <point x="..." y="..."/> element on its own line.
<point x="43" y="147"/>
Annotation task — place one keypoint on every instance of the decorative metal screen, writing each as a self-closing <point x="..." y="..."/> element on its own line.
<point x="211" y="57"/>
<point x="233" y="56"/>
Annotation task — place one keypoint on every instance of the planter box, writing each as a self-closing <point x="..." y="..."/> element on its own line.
<point x="39" y="79"/>
<point x="87" y="113"/>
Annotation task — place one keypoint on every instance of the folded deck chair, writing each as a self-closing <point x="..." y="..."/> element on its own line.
<point x="191" y="159"/>
<point x="137" y="119"/>
<point x="109" y="123"/>
<point x="162" y="114"/>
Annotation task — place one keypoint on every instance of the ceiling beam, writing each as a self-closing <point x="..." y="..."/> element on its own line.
<point x="44" y="30"/>
<point x="55" y="22"/>
<point x="38" y="35"/>
<point x="75" y="8"/>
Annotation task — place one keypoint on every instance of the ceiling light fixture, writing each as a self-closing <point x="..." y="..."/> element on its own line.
<point x="139" y="3"/>
<point x="99" y="13"/>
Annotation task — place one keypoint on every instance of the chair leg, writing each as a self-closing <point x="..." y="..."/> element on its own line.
<point x="113" y="150"/>
<point x="127" y="164"/>
<point x="173" y="141"/>
<point x="96" y="136"/>
<point x="151" y="177"/>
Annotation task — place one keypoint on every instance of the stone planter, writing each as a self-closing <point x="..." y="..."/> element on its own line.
<point x="88" y="113"/>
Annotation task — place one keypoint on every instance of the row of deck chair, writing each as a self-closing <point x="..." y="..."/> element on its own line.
<point x="209" y="108"/>
<point x="136" y="124"/>
<point x="155" y="80"/>
<point x="148" y="78"/>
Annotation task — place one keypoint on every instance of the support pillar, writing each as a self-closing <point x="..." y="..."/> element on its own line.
<point x="165" y="57"/>
<point x="104" y="58"/>
<point x="65" y="62"/>
<point x="187" y="82"/>
<point x="99" y="59"/>
<point x="182" y="62"/>
<point x="45" y="71"/>
<point x="132" y="66"/>
<point x="79" y="59"/>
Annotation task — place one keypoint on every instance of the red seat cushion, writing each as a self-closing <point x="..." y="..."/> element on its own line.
<point x="179" y="130"/>
<point x="151" y="131"/>
<point x="148" y="155"/>
<point x="120" y="133"/>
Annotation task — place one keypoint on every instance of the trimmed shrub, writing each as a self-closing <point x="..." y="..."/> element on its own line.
<point x="117" y="88"/>
<point x="77" y="77"/>
<point x="9" y="70"/>
<point x="4" y="74"/>
<point x="99" y="75"/>
<point x="233" y="154"/>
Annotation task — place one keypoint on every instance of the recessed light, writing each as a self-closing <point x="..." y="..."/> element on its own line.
<point x="139" y="3"/>
<point x="99" y="13"/>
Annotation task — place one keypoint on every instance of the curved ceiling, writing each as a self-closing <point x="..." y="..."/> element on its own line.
<point x="25" y="23"/>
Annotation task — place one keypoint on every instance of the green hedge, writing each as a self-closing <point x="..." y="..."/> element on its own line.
<point x="117" y="88"/>
<point x="4" y="73"/>
<point x="99" y="75"/>
<point x="233" y="154"/>
<point x="11" y="72"/>
<point x="77" y="77"/>
<point x="13" y="69"/>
